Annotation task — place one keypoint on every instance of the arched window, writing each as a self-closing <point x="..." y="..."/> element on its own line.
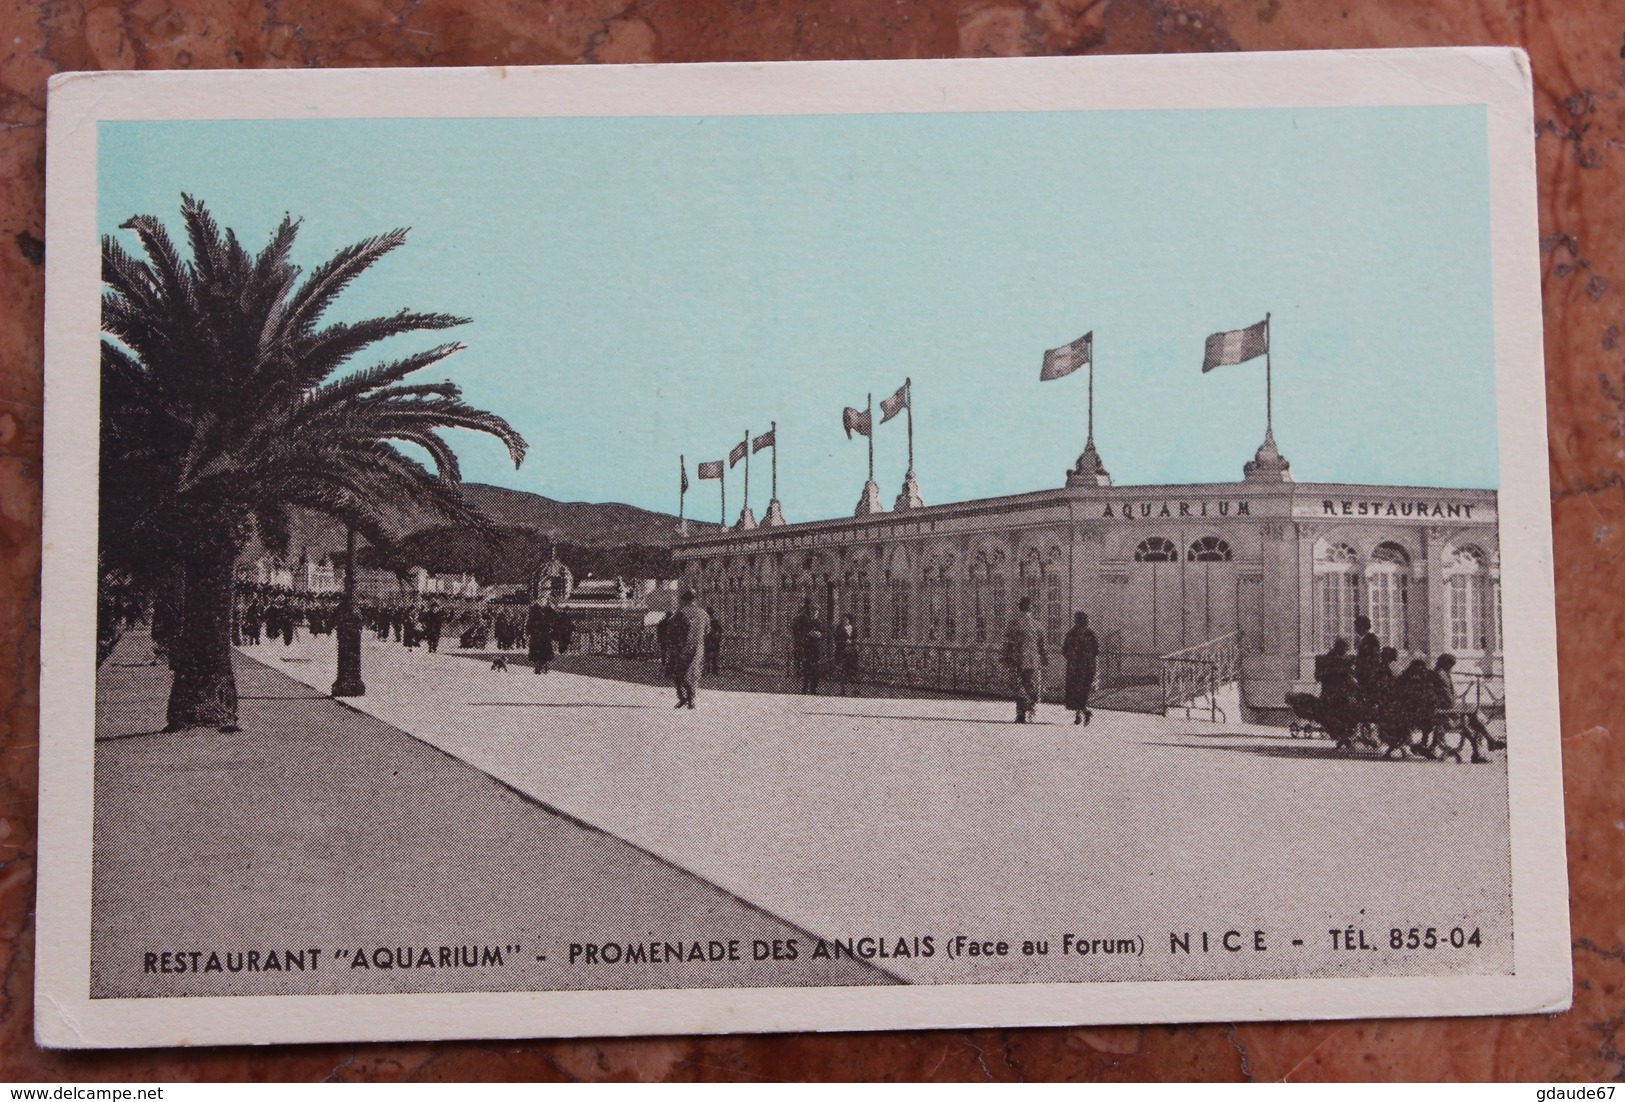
<point x="939" y="593"/>
<point x="987" y="597"/>
<point x="1337" y="591"/>
<point x="1156" y="549"/>
<point x="1054" y="608"/>
<point x="998" y="600"/>
<point x="1468" y="592"/>
<point x="1387" y="590"/>
<point x="1209" y="549"/>
<point x="897" y="595"/>
<point x="1031" y="585"/>
<point x="978" y="602"/>
<point x="864" y="610"/>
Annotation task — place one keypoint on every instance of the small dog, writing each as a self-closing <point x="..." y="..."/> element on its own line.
<point x="499" y="663"/>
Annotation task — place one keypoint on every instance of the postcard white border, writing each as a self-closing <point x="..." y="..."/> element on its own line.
<point x="1497" y="78"/>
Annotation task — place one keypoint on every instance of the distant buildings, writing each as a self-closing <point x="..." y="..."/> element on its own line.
<point x="324" y="576"/>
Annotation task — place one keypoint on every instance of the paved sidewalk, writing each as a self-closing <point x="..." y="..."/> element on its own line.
<point x="909" y="818"/>
<point x="319" y="828"/>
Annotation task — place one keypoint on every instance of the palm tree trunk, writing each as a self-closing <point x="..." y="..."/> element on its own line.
<point x="204" y="692"/>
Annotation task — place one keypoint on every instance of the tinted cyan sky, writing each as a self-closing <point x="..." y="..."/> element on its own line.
<point x="642" y="288"/>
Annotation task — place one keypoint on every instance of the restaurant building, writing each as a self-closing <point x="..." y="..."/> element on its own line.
<point x="1187" y="586"/>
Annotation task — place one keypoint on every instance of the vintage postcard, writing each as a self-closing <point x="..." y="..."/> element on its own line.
<point x="795" y="547"/>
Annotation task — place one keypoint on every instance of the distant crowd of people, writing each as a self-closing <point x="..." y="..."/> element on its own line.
<point x="1408" y="712"/>
<point x="274" y="615"/>
<point x="267" y="615"/>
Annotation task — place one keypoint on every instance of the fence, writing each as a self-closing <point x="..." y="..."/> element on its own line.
<point x="615" y="633"/>
<point x="1125" y="681"/>
<point x="1151" y="683"/>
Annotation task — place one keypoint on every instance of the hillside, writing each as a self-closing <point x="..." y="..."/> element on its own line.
<point x="582" y="523"/>
<point x="590" y="524"/>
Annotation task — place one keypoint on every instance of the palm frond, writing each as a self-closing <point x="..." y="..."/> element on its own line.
<point x="327" y="281"/>
<point x="331" y="348"/>
<point x="361" y="382"/>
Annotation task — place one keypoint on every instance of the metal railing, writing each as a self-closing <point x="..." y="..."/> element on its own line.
<point x="1486" y="693"/>
<point x="1193" y="674"/>
<point x="1156" y="684"/>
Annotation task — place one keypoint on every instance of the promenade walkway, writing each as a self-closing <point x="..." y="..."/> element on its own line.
<point x="891" y="819"/>
<point x="319" y="831"/>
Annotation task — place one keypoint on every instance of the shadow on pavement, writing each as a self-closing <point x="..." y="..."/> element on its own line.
<point x="926" y="719"/>
<point x="554" y="704"/>
<point x="1297" y="751"/>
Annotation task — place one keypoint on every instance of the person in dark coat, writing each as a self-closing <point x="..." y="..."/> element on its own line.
<point x="1026" y="652"/>
<point x="279" y="622"/>
<point x="713" y="642"/>
<point x="434" y="621"/>
<point x="539" y="631"/>
<point x="564" y="629"/>
<point x="1335" y="672"/>
<point x="1081" y="649"/>
<point x="807" y="646"/>
<point x="688" y="631"/>
<point x="663" y="639"/>
<point x="1382" y="702"/>
<point x="1367" y="652"/>
<point x="846" y="655"/>
<point x="1413" y="702"/>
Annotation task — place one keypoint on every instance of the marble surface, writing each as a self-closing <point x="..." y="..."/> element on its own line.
<point x="1580" y="106"/>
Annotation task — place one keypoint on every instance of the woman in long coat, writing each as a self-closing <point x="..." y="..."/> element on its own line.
<point x="539" y="633"/>
<point x="1080" y="648"/>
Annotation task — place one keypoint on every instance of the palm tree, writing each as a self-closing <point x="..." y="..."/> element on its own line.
<point x="225" y="404"/>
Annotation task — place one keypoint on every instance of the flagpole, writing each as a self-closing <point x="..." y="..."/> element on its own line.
<point x="1091" y="391"/>
<point x="774" y="429"/>
<point x="722" y="482"/>
<point x="908" y="404"/>
<point x="1269" y="412"/>
<point x="682" y="493"/>
<point x="871" y="435"/>
<point x="747" y="470"/>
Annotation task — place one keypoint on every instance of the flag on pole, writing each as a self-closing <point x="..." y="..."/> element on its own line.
<point x="1236" y="346"/>
<point x="766" y="440"/>
<point x="897" y="403"/>
<point x="736" y="454"/>
<point x="712" y="469"/>
<point x="856" y="420"/>
<point x="1063" y="361"/>
<point x="682" y="465"/>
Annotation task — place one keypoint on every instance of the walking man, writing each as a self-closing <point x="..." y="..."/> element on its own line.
<point x="539" y="633"/>
<point x="1026" y="653"/>
<point x="846" y="655"/>
<point x="688" y="631"/>
<point x="713" y="642"/>
<point x="434" y="621"/>
<point x="807" y="641"/>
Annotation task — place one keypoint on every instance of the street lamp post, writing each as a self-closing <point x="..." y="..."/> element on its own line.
<point x="348" y="682"/>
